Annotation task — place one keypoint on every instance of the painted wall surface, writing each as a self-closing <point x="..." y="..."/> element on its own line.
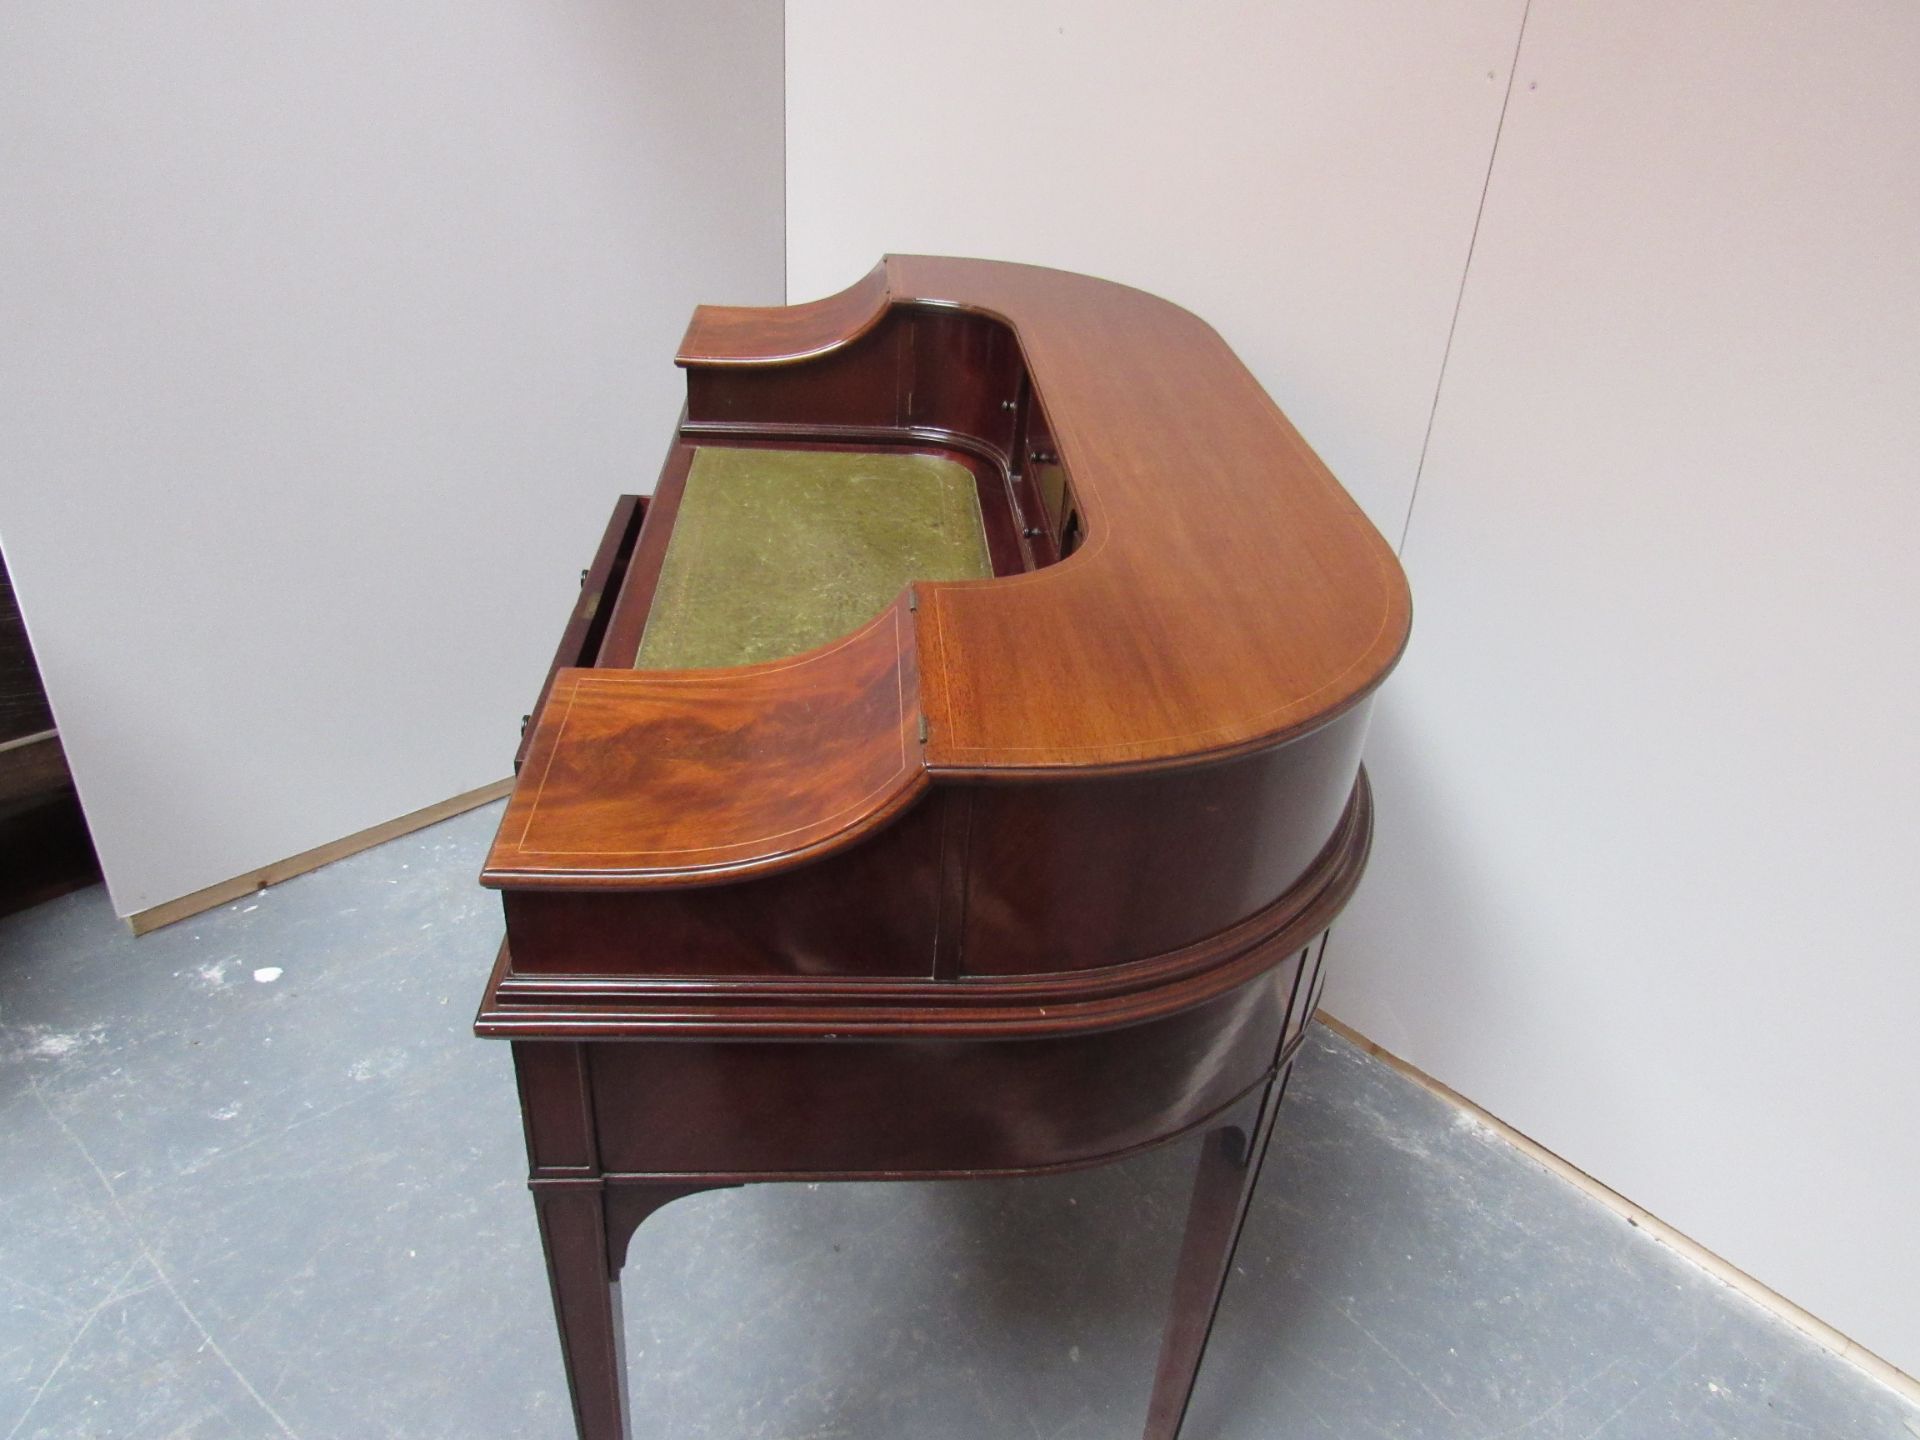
<point x="1645" y="881"/>
<point x="1644" y="878"/>
<point x="328" y="335"/>
<point x="1303" y="176"/>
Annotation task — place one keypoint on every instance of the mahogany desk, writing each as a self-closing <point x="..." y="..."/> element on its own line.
<point x="1021" y="873"/>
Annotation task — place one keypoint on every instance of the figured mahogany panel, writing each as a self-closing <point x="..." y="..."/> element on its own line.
<point x="788" y="924"/>
<point x="699" y="776"/>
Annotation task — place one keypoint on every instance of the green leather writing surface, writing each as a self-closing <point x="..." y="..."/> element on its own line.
<point x="777" y="551"/>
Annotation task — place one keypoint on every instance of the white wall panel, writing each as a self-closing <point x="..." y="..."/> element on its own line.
<point x="328" y="334"/>
<point x="1645" y="883"/>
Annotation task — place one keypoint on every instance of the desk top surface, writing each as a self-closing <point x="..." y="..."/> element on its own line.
<point x="1228" y="592"/>
<point x="1228" y="596"/>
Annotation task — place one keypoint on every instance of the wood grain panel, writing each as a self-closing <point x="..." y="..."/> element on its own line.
<point x="698" y="776"/>
<point x="788" y="924"/>
<point x="1075" y="874"/>
<point x="723" y="335"/>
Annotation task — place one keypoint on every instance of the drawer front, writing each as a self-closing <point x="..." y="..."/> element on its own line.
<point x="930" y="1107"/>
<point x="599" y="583"/>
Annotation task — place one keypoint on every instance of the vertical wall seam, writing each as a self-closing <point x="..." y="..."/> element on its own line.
<point x="786" y="162"/>
<point x="1466" y="268"/>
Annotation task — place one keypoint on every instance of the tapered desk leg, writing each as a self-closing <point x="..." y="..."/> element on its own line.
<point x="586" y="1302"/>
<point x="586" y="1225"/>
<point x="1230" y="1159"/>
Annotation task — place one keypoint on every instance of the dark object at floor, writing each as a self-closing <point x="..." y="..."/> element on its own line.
<point x="23" y="700"/>
<point x="45" y="849"/>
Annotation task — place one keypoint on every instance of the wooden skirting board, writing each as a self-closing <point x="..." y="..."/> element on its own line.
<point x="144" y="921"/>
<point x="1809" y="1325"/>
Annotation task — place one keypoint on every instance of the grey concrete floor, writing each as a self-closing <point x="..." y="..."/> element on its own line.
<point x="247" y="1203"/>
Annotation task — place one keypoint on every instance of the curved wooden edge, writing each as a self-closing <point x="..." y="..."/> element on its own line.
<point x="1229" y="595"/>
<point x="785" y="334"/>
<point x="629" y="1206"/>
<point x="1018" y="1007"/>
<point x="642" y="778"/>
<point x="1142" y="760"/>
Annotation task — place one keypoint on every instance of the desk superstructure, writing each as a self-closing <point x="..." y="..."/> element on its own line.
<point x="1025" y="871"/>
